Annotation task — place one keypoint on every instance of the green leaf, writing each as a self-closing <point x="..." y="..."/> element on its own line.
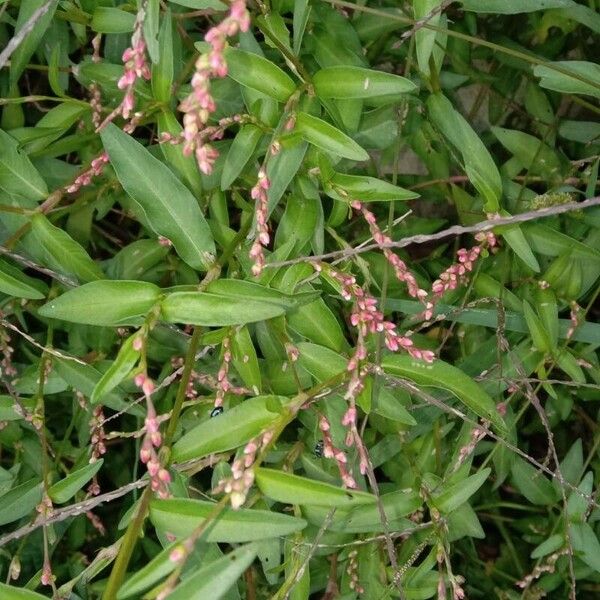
<point x="532" y="153"/>
<point x="321" y="362"/>
<point x="515" y="238"/>
<point x="84" y="379"/>
<point x="424" y="37"/>
<point x="160" y="197"/>
<point x="292" y="489"/>
<point x="118" y="370"/>
<point x="317" y="323"/>
<point x="15" y="283"/>
<point x="160" y="566"/>
<point x="258" y="73"/>
<point x="17" y="174"/>
<point x="539" y="336"/>
<point x="8" y="592"/>
<point x="282" y="168"/>
<point x="585" y="78"/>
<point x="532" y="484"/>
<point x="327" y="137"/>
<point x="20" y="501"/>
<point x="442" y="375"/>
<point x="55" y="248"/>
<point x="367" y="518"/>
<point x="244" y="359"/>
<point x="586" y="544"/>
<point x="214" y="579"/>
<point x="112" y="20"/>
<point x="513" y="7"/>
<point x="478" y="163"/>
<point x="229" y="430"/>
<point x="552" y="544"/>
<point x="66" y="488"/>
<point x="163" y="69"/>
<point x="150" y="29"/>
<point x="452" y="496"/>
<point x="356" y="83"/>
<point x="230" y="302"/>
<point x="365" y="189"/>
<point x="20" y="57"/>
<point x="108" y="303"/>
<point x="180" y="517"/>
<point x="302" y="10"/>
<point x="240" y="152"/>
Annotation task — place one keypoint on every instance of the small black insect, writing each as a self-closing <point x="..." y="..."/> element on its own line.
<point x="319" y="449"/>
<point x="216" y="411"/>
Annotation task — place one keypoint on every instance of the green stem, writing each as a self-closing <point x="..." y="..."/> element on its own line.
<point x="127" y="546"/>
<point x="190" y="359"/>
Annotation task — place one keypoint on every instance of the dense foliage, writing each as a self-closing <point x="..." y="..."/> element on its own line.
<point x="298" y="299"/>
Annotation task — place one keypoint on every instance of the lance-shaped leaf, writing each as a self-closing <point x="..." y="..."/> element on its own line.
<point x="15" y="283"/>
<point x="442" y="375"/>
<point x="17" y="173"/>
<point x="10" y="592"/>
<point x="327" y="137"/>
<point x="583" y="77"/>
<point x="230" y="302"/>
<point x="55" y="248"/>
<point x="365" y="189"/>
<point x="258" y="73"/>
<point x="17" y="503"/>
<point x="478" y="163"/>
<point x="179" y="517"/>
<point x="66" y="488"/>
<point x="33" y="37"/>
<point x="356" y="82"/>
<point x="231" y="429"/>
<point x="214" y="579"/>
<point x="292" y="489"/>
<point x="452" y="496"/>
<point x="240" y="152"/>
<point x="108" y="303"/>
<point x="118" y="370"/>
<point x="160" y="198"/>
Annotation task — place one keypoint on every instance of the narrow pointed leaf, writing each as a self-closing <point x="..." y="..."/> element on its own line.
<point x="292" y="489"/>
<point x="258" y="73"/>
<point x="327" y="137"/>
<point x="165" y="203"/>
<point x="66" y="488"/>
<point x="180" y="517"/>
<point x="442" y="375"/>
<point x="229" y="430"/>
<point x="356" y="82"/>
<point x="108" y="303"/>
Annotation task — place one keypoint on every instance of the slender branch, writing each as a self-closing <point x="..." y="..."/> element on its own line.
<point x="487" y="225"/>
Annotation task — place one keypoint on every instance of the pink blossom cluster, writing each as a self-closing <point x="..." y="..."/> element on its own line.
<point x="136" y="67"/>
<point x="242" y="473"/>
<point x="159" y="476"/>
<point x="262" y="238"/>
<point x="401" y="271"/>
<point x="223" y="384"/>
<point x="455" y="274"/>
<point x="97" y="436"/>
<point x="574" y="316"/>
<point x="85" y="178"/>
<point x="368" y="319"/>
<point x="330" y="451"/>
<point x="200" y="104"/>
